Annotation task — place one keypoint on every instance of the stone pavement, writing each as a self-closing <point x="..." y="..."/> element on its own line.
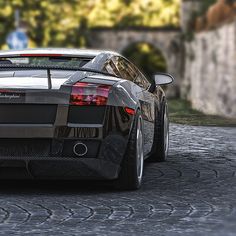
<point x="193" y="193"/>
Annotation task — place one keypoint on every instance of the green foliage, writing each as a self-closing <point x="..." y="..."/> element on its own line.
<point x="66" y="22"/>
<point x="147" y="58"/>
<point x="45" y="20"/>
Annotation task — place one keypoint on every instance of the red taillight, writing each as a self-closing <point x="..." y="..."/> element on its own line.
<point x="84" y="94"/>
<point x="130" y="111"/>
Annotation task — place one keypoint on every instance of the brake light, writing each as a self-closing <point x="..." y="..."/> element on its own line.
<point x="84" y="94"/>
<point x="129" y="111"/>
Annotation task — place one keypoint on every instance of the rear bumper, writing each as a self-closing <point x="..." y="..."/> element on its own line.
<point x="46" y="150"/>
<point x="57" y="160"/>
<point x="92" y="168"/>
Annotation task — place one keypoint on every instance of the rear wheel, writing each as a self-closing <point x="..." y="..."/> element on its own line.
<point x="131" y="173"/>
<point x="161" y="136"/>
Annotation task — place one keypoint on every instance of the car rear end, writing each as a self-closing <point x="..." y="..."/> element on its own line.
<point x="59" y="123"/>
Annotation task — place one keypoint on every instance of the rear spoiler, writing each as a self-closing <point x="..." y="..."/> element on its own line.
<point x="49" y="68"/>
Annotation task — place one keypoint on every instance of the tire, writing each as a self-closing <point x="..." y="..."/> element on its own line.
<point x="161" y="136"/>
<point x="130" y="177"/>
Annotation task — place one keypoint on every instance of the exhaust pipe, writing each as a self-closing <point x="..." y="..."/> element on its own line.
<point x="80" y="149"/>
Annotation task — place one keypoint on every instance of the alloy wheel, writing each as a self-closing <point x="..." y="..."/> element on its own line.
<point x="139" y="148"/>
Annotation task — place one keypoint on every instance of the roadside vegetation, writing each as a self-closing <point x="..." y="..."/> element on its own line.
<point x="180" y="111"/>
<point x="64" y="23"/>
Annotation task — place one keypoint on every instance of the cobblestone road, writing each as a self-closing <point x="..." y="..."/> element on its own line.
<point x="193" y="193"/>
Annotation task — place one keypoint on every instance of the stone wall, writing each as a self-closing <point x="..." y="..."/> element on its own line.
<point x="210" y="71"/>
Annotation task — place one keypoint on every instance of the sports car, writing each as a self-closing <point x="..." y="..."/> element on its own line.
<point x="79" y="114"/>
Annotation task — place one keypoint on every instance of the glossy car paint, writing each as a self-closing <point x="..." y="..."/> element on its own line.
<point x="39" y="128"/>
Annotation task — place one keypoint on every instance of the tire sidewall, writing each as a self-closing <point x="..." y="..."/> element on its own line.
<point x="158" y="153"/>
<point x="129" y="176"/>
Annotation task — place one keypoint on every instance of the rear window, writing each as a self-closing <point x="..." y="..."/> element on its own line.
<point x="20" y="78"/>
<point x="49" y="61"/>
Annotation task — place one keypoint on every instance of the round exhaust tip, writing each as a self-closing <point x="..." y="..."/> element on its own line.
<point x="80" y="149"/>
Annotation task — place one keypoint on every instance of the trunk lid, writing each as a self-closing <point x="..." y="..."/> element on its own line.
<point x="27" y="96"/>
<point x="34" y="87"/>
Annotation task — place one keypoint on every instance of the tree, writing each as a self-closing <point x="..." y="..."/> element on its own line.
<point x="66" y="22"/>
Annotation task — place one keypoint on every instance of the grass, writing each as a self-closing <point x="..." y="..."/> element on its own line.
<point x="180" y="111"/>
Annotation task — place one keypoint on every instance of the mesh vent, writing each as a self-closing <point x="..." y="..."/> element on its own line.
<point x="24" y="147"/>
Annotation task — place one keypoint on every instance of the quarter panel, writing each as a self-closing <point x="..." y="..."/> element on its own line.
<point x="147" y="104"/>
<point x="126" y="93"/>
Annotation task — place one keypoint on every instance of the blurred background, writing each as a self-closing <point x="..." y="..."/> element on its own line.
<point x="195" y="40"/>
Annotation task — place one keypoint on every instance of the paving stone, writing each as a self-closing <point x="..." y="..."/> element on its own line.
<point x="192" y="193"/>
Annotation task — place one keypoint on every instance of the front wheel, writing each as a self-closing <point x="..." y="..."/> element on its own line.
<point x="131" y="173"/>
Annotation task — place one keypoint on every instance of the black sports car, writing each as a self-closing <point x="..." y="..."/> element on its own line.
<point x="72" y="114"/>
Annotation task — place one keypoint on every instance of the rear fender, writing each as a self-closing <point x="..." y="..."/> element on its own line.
<point x="124" y="94"/>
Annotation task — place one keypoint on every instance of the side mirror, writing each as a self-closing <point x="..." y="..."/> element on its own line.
<point x="163" y="79"/>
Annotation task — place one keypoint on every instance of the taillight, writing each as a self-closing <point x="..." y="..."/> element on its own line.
<point x="129" y="111"/>
<point x="84" y="94"/>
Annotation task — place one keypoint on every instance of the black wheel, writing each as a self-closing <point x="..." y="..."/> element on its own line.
<point x="130" y="177"/>
<point x="161" y="136"/>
